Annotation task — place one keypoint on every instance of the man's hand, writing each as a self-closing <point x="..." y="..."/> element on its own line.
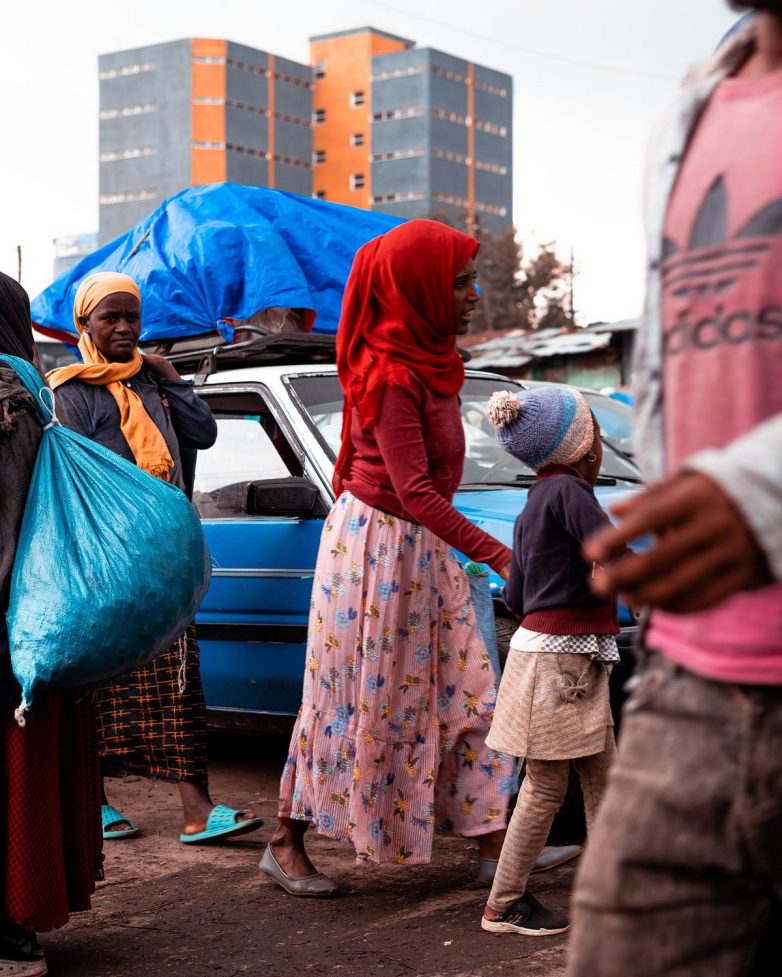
<point x="161" y="366"/>
<point x="703" y="551"/>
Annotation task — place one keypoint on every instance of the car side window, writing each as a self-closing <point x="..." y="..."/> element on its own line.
<point x="250" y="447"/>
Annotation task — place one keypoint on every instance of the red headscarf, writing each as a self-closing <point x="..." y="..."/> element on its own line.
<point x="397" y="317"/>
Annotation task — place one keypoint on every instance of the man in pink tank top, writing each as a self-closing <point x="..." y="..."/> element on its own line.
<point x="683" y="874"/>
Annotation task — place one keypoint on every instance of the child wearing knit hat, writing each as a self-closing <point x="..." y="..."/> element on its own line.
<point x="553" y="703"/>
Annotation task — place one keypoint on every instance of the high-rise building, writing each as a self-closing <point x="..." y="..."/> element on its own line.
<point x="411" y="131"/>
<point x="198" y="111"/>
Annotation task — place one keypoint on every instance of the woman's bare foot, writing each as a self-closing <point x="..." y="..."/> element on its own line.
<point x="287" y="845"/>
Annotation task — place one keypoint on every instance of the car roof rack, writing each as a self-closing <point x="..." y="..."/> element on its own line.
<point x="207" y="353"/>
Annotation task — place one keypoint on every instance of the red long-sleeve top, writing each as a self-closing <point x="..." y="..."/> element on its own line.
<point x="409" y="463"/>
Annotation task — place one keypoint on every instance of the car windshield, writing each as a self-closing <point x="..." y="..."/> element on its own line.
<point x="615" y="419"/>
<point x="486" y="464"/>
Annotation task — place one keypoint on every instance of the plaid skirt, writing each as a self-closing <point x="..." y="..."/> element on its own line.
<point x="153" y="720"/>
<point x="389" y="746"/>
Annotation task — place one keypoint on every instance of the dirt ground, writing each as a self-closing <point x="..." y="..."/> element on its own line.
<point x="166" y="908"/>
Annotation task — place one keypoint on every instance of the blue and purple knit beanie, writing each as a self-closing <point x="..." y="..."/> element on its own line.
<point x="546" y="426"/>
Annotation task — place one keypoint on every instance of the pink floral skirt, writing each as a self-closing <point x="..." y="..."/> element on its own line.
<point x="389" y="745"/>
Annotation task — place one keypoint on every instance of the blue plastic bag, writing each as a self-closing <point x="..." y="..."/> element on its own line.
<point x="111" y="564"/>
<point x="483" y="605"/>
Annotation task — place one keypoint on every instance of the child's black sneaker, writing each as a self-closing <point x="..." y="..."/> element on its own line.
<point x="527" y="917"/>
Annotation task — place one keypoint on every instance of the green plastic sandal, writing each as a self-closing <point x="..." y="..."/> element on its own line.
<point x="110" y="815"/>
<point x="222" y="823"/>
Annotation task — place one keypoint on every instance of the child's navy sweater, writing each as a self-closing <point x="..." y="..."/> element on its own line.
<point x="548" y="588"/>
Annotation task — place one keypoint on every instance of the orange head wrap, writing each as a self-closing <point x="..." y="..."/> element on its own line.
<point x="140" y="431"/>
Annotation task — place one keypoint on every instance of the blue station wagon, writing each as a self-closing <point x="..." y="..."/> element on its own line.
<point x="263" y="492"/>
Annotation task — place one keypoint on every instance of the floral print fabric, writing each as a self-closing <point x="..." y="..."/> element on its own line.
<point x="398" y="696"/>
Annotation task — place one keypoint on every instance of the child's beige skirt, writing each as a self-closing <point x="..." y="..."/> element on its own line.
<point x="550" y="706"/>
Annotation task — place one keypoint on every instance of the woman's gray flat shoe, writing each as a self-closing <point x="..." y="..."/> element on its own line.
<point x="316" y="886"/>
<point x="552" y="856"/>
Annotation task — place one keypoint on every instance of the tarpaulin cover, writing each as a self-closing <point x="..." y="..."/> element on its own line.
<point x="111" y="564"/>
<point x="225" y="251"/>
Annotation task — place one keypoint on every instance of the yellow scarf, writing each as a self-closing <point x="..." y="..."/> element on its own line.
<point x="139" y="430"/>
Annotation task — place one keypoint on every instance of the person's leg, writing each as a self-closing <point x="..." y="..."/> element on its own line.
<point x="666" y="887"/>
<point x="541" y="796"/>
<point x="287" y="845"/>
<point x="593" y="776"/>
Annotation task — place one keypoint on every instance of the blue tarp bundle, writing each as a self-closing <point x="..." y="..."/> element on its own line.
<point x="225" y="251"/>
<point x="111" y="564"/>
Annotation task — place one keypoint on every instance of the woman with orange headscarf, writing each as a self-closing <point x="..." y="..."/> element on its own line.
<point x="398" y="694"/>
<point x="153" y="721"/>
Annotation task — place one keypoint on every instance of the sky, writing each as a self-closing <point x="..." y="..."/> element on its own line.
<point x="590" y="79"/>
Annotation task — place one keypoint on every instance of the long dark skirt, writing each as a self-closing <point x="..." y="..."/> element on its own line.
<point x="153" y="721"/>
<point x="50" y="830"/>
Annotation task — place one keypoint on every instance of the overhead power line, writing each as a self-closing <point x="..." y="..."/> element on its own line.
<point x="520" y="49"/>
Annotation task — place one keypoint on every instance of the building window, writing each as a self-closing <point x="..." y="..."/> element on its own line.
<point x="319" y="70"/>
<point x="356" y="100"/>
<point x="491" y="127"/>
<point x="357" y="181"/>
<point x="125" y="71"/>
<point x="126" y="111"/>
<point x="134" y="153"/>
<point x="319" y="156"/>
<point x="357" y="139"/>
<point x="389" y="115"/>
<point x="319" y="116"/>
<point x="208" y="59"/>
<point x="447" y="73"/>
<point x="491" y="209"/>
<point x="126" y="197"/>
<point x="397" y="154"/>
<point x="485" y="86"/>
<point x="398" y="73"/>
<point x="491" y="167"/>
<point x="451" y="157"/>
<point x="395" y="198"/>
<point x="448" y="116"/>
<point x="320" y="195"/>
<point x="208" y="144"/>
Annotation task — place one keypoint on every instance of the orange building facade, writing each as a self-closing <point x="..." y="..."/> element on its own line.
<point x="342" y="112"/>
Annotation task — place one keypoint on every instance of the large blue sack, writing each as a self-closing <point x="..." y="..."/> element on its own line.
<point x="111" y="564"/>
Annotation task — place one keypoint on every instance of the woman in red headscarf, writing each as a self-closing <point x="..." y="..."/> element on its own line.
<point x="398" y="693"/>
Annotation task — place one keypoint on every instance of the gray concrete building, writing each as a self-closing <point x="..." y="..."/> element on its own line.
<point x="441" y="138"/>
<point x="411" y="131"/>
<point x="198" y="111"/>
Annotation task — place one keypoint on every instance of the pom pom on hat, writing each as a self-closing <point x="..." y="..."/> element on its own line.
<point x="503" y="408"/>
<point x="545" y="426"/>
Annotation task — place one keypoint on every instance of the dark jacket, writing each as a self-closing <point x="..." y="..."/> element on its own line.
<point x="548" y="588"/>
<point x="180" y="415"/>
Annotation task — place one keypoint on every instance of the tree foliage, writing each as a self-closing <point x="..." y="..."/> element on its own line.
<point x="521" y="292"/>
